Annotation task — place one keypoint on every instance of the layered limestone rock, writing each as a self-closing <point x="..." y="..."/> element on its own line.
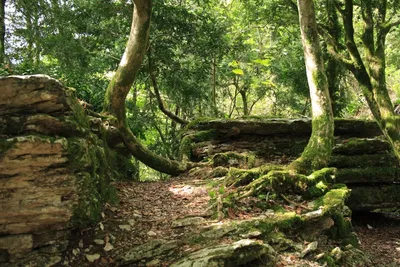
<point x="55" y="172"/>
<point x="361" y="154"/>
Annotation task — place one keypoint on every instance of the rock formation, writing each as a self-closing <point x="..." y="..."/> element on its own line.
<point x="55" y="169"/>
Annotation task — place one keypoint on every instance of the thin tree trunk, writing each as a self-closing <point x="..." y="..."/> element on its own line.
<point x="243" y="94"/>
<point x="372" y="81"/>
<point x="333" y="68"/>
<point x="319" y="148"/>
<point x="160" y="102"/>
<point x="120" y="85"/>
<point x="214" y="84"/>
<point x="2" y="32"/>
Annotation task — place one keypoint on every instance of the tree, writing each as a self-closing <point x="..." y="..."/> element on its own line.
<point x="120" y="85"/>
<point x="319" y="148"/>
<point x="2" y="32"/>
<point x="369" y="66"/>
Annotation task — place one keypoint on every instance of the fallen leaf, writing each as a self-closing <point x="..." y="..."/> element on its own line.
<point x="231" y="213"/>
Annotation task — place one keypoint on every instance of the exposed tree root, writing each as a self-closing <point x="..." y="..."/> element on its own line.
<point x="288" y="181"/>
<point x="294" y="203"/>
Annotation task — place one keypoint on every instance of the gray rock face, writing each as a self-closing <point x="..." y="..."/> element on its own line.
<point x="242" y="252"/>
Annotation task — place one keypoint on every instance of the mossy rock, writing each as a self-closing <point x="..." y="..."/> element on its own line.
<point x="188" y="141"/>
<point x="368" y="175"/>
<point x="244" y="160"/>
<point x="243" y="252"/>
<point x="359" y="146"/>
<point x="240" y="177"/>
<point x="362" y="161"/>
<point x="333" y="201"/>
<point x="370" y="197"/>
<point x="219" y="172"/>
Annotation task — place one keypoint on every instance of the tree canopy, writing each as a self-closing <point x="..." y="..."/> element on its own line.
<point x="225" y="59"/>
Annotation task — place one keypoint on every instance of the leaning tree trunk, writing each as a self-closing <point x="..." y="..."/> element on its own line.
<point x="370" y="70"/>
<point x="120" y="85"/>
<point x="319" y="148"/>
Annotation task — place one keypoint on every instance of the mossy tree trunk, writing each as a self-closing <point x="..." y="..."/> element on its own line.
<point x="370" y="69"/>
<point x="319" y="148"/>
<point x="120" y="85"/>
<point x="333" y="69"/>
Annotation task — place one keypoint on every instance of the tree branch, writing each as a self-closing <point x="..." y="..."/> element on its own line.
<point x="292" y="5"/>
<point x="161" y="104"/>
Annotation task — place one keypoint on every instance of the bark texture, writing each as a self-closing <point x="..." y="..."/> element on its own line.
<point x="317" y="153"/>
<point x="2" y="32"/>
<point x="121" y="83"/>
<point x="369" y="69"/>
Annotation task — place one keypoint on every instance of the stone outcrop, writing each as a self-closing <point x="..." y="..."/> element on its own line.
<point x="55" y="169"/>
<point x="242" y="252"/>
<point x="361" y="154"/>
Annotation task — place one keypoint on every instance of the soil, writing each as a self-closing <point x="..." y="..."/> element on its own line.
<point x="379" y="235"/>
<point x="146" y="211"/>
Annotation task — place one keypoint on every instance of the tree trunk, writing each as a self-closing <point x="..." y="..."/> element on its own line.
<point x="120" y="85"/>
<point x="370" y="72"/>
<point x="2" y="33"/>
<point x="243" y="94"/>
<point x="161" y="104"/>
<point x="214" y="85"/>
<point x="333" y="68"/>
<point x="317" y="153"/>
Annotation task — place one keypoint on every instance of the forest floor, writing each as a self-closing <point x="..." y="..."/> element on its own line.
<point x="148" y="211"/>
<point x="379" y="236"/>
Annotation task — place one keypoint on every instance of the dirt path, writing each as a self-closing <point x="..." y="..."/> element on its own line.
<point x="147" y="212"/>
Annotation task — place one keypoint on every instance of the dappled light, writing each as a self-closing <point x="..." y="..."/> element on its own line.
<point x="199" y="133"/>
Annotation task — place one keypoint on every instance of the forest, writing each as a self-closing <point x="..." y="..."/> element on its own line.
<point x="200" y="133"/>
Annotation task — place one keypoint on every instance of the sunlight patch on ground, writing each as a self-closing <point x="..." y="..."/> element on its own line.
<point x="183" y="190"/>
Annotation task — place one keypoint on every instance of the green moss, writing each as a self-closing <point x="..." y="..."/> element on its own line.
<point x="239" y="177"/>
<point x="285" y="222"/>
<point x="234" y="159"/>
<point x="328" y="260"/>
<point x="343" y="230"/>
<point x="189" y="140"/>
<point x="5" y="145"/>
<point x="91" y="161"/>
<point x="368" y="175"/>
<point x="371" y="197"/>
<point x="317" y="153"/>
<point x="283" y="181"/>
<point x="362" y="161"/>
<point x="316" y="190"/>
<point x="194" y="123"/>
<point x="88" y="209"/>
<point x="333" y="200"/>
<point x="219" y="172"/>
<point x="78" y="111"/>
<point x="359" y="146"/>
<point x="186" y="146"/>
<point x="202" y="136"/>
<point x="319" y="182"/>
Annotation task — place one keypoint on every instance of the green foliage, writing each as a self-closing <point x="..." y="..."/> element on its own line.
<point x="210" y="58"/>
